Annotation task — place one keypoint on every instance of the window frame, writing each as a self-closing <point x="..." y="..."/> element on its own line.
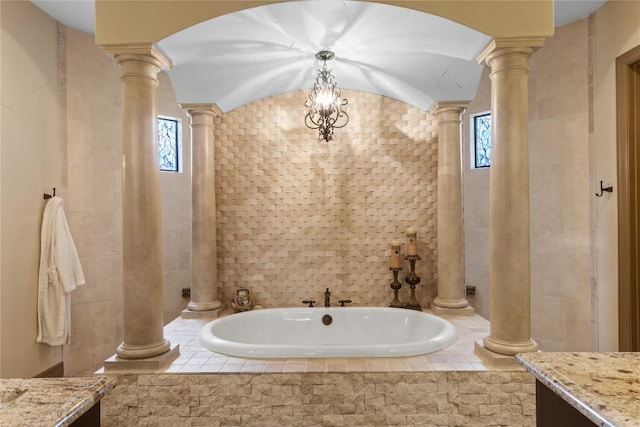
<point x="178" y="148"/>
<point x="474" y="141"/>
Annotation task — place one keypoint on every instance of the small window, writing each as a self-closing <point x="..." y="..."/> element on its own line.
<point x="482" y="140"/>
<point x="169" y="144"/>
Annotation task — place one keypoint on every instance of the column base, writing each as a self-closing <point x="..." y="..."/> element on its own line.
<point x="207" y="314"/>
<point x="116" y="364"/>
<point x="126" y="351"/>
<point x="509" y="348"/>
<point x="444" y="311"/>
<point x="204" y="306"/>
<point x="495" y="359"/>
<point x="450" y="303"/>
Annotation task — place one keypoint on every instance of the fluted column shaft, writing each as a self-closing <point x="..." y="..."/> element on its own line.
<point x="141" y="209"/>
<point x="451" y="287"/>
<point x="204" y="272"/>
<point x="510" y="325"/>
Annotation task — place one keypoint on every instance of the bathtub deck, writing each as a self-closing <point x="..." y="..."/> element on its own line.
<point x="457" y="357"/>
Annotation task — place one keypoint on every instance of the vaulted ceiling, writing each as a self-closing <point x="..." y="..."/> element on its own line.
<point x="404" y="54"/>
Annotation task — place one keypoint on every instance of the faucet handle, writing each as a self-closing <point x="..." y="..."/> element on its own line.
<point x="309" y="301"/>
<point x="344" y="301"/>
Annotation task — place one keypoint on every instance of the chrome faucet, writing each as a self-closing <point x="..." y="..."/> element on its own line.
<point x="327" y="298"/>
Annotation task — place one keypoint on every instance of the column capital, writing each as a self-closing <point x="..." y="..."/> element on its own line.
<point x="455" y="107"/>
<point x="140" y="52"/>
<point x="513" y="44"/>
<point x="211" y="109"/>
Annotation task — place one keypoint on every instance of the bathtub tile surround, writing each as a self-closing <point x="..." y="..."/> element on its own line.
<point x="322" y="399"/>
<point x="459" y="356"/>
<point x="450" y="387"/>
<point x="295" y="216"/>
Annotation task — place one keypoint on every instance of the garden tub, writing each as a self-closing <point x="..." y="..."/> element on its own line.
<point x="327" y="332"/>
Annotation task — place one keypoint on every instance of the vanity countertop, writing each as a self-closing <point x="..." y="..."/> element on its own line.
<point x="604" y="387"/>
<point x="49" y="401"/>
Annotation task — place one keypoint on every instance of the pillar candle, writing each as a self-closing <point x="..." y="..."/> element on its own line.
<point x="412" y="242"/>
<point x="394" y="261"/>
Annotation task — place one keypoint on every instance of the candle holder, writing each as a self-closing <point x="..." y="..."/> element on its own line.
<point x="395" y="285"/>
<point x="412" y="280"/>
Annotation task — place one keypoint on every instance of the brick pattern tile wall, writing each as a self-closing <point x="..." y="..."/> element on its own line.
<point x="296" y="215"/>
<point x="322" y="399"/>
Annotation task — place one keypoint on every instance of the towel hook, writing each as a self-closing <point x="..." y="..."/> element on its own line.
<point x="608" y="189"/>
<point x="48" y="196"/>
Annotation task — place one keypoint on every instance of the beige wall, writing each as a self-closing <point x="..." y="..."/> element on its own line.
<point x="62" y="128"/>
<point x="30" y="166"/>
<point x="559" y="194"/>
<point x="476" y="204"/>
<point x="572" y="147"/>
<point x="176" y="211"/>
<point x="617" y="30"/>
<point x="94" y="208"/>
<point x="296" y="215"/>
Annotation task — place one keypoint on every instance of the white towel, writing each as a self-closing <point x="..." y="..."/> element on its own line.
<point x="60" y="273"/>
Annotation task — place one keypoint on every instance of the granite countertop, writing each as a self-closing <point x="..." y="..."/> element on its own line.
<point x="605" y="387"/>
<point x="49" y="401"/>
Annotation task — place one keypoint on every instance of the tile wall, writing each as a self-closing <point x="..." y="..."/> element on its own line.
<point x="561" y="253"/>
<point x="296" y="215"/>
<point x="92" y="187"/>
<point x="560" y="195"/>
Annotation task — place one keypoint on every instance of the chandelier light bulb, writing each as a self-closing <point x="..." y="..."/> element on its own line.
<point x="325" y="98"/>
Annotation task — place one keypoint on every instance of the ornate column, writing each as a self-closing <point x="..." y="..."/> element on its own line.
<point x="141" y="209"/>
<point x="510" y="295"/>
<point x="204" y="272"/>
<point x="451" y="297"/>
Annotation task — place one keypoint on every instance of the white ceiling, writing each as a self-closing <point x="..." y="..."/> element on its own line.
<point x="241" y="57"/>
<point x="382" y="49"/>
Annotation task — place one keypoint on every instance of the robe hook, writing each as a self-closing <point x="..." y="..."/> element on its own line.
<point x="608" y="189"/>
<point x="48" y="196"/>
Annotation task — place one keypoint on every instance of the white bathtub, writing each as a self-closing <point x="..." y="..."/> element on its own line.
<point x="353" y="332"/>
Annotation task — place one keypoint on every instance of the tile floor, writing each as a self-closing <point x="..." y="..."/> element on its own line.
<point x="457" y="357"/>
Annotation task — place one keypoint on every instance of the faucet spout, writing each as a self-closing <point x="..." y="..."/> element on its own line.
<point x="327" y="298"/>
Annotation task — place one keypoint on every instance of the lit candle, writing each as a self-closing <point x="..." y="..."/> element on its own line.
<point x="412" y="242"/>
<point x="394" y="261"/>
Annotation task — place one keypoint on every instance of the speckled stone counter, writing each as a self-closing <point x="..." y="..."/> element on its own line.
<point x="604" y="387"/>
<point x="49" y="401"/>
